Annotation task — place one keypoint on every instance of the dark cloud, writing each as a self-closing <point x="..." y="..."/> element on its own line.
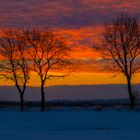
<point x="60" y="13"/>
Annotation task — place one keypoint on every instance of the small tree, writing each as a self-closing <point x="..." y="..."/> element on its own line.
<point x="14" y="63"/>
<point x="48" y="55"/>
<point x="122" y="46"/>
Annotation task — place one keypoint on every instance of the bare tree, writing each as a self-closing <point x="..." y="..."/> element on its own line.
<point x="49" y="55"/>
<point x="14" y="63"/>
<point x="122" y="46"/>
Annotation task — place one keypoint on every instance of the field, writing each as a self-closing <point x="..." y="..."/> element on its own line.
<point x="70" y="124"/>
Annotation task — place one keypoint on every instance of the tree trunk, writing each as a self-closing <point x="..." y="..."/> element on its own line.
<point x="42" y="97"/>
<point x="131" y="96"/>
<point x="22" y="101"/>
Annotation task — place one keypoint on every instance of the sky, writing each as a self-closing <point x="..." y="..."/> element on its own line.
<point x="80" y="21"/>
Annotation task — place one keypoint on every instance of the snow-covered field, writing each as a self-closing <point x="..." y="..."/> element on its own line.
<point x="70" y="125"/>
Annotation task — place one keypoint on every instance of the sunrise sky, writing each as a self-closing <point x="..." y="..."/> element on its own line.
<point x="80" y="22"/>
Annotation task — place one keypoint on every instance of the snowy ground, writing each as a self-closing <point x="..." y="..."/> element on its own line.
<point x="70" y="125"/>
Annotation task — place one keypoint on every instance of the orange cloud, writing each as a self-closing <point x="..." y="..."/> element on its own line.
<point x="81" y="41"/>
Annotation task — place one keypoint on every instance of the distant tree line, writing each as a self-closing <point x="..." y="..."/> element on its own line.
<point x="46" y="53"/>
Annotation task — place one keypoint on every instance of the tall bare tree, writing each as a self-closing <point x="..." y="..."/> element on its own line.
<point x="14" y="62"/>
<point x="49" y="55"/>
<point x="122" y="46"/>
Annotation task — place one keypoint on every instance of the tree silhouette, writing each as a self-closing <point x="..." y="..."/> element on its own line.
<point x="122" y="47"/>
<point x="14" y="62"/>
<point x="49" y="56"/>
